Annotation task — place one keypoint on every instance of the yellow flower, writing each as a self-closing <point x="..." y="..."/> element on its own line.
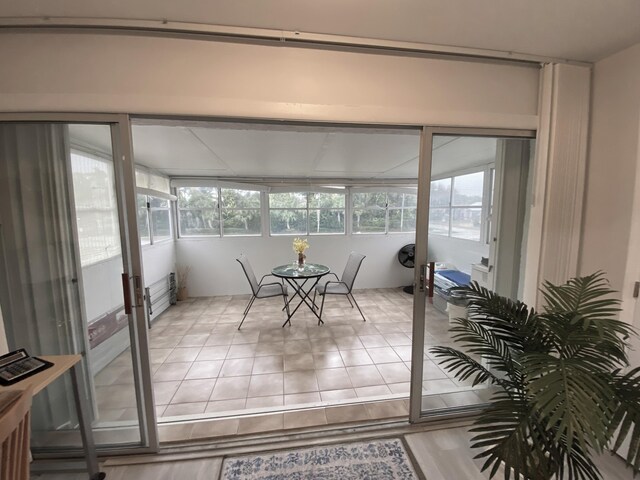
<point x="300" y="245"/>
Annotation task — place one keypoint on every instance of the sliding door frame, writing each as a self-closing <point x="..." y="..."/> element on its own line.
<point x="421" y="258"/>
<point x="124" y="170"/>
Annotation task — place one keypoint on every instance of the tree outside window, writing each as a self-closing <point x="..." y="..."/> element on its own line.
<point x="307" y="213"/>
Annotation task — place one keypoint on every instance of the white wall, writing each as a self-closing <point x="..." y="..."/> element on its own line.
<point x="102" y="287"/>
<point x="92" y="72"/>
<point x="102" y="282"/>
<point x="158" y="261"/>
<point x="612" y="205"/>
<point x="214" y="270"/>
<point x="460" y="253"/>
<point x="612" y="164"/>
<point x="611" y="231"/>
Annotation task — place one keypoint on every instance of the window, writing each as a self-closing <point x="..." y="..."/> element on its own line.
<point x="383" y="212"/>
<point x="154" y="219"/>
<point x="198" y="211"/>
<point x="96" y="208"/>
<point x="160" y="219"/>
<point x="307" y="213"/>
<point x="154" y="206"/>
<point x="241" y="212"/>
<point x="143" y="220"/>
<point x="456" y="206"/>
<point x="213" y="211"/>
<point x="402" y="208"/>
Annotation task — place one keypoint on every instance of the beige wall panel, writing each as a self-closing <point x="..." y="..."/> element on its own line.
<point x="161" y="75"/>
<point x="613" y="159"/>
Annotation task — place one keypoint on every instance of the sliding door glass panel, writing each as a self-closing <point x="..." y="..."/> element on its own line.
<point x="62" y="264"/>
<point x="476" y="229"/>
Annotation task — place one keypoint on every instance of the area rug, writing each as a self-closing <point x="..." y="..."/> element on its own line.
<point x="376" y="459"/>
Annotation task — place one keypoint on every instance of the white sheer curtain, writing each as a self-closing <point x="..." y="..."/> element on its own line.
<point x="38" y="266"/>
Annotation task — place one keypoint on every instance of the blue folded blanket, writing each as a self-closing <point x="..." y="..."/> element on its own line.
<point x="456" y="276"/>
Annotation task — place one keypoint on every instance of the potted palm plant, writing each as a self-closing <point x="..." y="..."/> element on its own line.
<point x="562" y="392"/>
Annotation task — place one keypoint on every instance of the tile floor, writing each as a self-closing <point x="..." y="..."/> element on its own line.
<point x="204" y="367"/>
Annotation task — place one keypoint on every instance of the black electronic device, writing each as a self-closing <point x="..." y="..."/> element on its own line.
<point x="406" y="258"/>
<point x="18" y="365"/>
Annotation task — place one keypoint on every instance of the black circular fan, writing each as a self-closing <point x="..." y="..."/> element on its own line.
<point x="406" y="254"/>
<point x="406" y="258"/>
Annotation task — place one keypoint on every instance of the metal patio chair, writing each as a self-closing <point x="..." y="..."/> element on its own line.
<point x="259" y="289"/>
<point x="342" y="285"/>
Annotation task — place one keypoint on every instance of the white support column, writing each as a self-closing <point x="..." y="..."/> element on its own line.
<point x="556" y="211"/>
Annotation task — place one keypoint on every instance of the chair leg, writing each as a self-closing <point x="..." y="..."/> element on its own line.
<point x="354" y="301"/>
<point x="246" y="310"/>
<point x="286" y="305"/>
<point x="321" y="308"/>
<point x="349" y="300"/>
<point x="314" y="299"/>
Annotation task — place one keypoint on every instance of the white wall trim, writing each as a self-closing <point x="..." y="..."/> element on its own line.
<point x="537" y="206"/>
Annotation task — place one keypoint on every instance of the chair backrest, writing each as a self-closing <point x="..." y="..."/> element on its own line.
<point x="351" y="269"/>
<point x="248" y="271"/>
<point x="14" y="435"/>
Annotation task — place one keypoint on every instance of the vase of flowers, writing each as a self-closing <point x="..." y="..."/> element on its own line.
<point x="300" y="245"/>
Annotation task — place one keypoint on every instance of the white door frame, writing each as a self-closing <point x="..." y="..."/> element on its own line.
<point x="421" y="251"/>
<point x="132" y="260"/>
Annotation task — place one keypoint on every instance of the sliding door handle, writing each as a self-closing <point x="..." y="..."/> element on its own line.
<point x="126" y="293"/>
<point x="138" y="290"/>
<point x="422" y="278"/>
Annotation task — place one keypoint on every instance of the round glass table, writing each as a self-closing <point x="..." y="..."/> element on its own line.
<point x="298" y="277"/>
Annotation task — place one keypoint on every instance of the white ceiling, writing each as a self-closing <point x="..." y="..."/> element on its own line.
<point x="215" y="149"/>
<point x="585" y="30"/>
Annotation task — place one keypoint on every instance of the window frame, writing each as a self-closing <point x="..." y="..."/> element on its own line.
<point x="389" y="190"/>
<point x="219" y="208"/>
<point x="149" y="220"/>
<point x="78" y="150"/>
<point x="222" y="208"/>
<point x="483" y="237"/>
<point x="307" y="210"/>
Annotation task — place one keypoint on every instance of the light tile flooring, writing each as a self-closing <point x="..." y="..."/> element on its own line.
<point x="204" y="367"/>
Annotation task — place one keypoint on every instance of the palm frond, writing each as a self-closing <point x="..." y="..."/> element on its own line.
<point x="463" y="367"/>
<point x="569" y="396"/>
<point x="627" y="419"/>
<point x="509" y="435"/>
<point x="479" y="340"/>
<point x="562" y="394"/>
<point x="590" y="297"/>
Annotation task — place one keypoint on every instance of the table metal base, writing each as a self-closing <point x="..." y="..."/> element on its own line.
<point x="299" y="290"/>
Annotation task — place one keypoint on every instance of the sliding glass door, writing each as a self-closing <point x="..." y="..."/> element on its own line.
<point x="71" y="274"/>
<point x="472" y="226"/>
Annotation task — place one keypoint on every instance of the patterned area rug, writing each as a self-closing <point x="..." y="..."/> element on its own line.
<point x="377" y="459"/>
